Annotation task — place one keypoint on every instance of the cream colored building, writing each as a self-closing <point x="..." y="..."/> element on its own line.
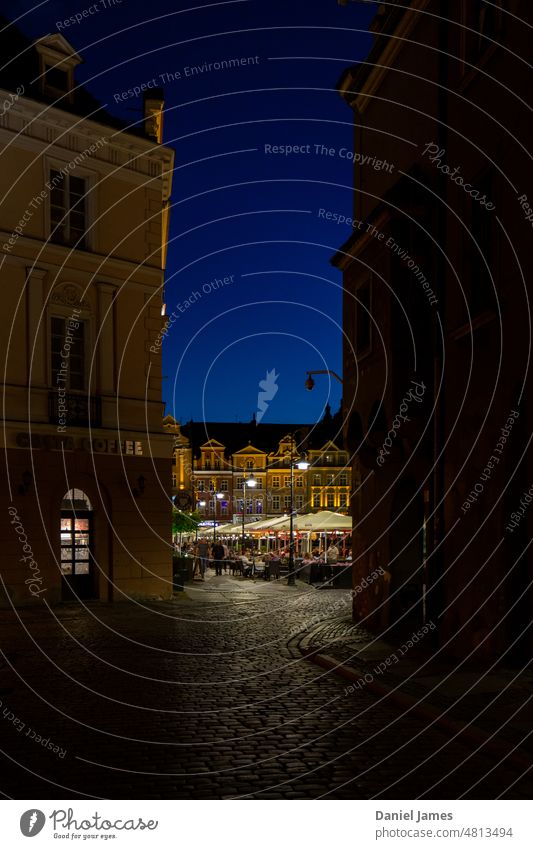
<point x="83" y="229"/>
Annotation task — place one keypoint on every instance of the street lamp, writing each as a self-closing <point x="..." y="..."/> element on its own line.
<point x="310" y="383"/>
<point x="200" y="504"/>
<point x="217" y="496"/>
<point x="250" y="482"/>
<point x="302" y="464"/>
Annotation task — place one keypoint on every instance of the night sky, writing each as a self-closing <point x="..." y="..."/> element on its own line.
<point x="239" y="212"/>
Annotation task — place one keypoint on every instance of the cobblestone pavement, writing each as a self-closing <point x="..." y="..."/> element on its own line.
<point x="208" y="697"/>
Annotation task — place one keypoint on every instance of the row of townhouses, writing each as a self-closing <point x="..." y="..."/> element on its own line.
<point x="213" y="463"/>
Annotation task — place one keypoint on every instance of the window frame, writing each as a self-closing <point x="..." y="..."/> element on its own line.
<point x="54" y="163"/>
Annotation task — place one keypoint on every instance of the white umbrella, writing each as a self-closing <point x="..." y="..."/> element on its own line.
<point x="324" y="520"/>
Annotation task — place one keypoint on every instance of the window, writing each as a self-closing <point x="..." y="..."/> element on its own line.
<point x="239" y="504"/>
<point x="250" y="464"/>
<point x="68" y="208"/>
<point x="317" y="480"/>
<point x="201" y="486"/>
<point x="329" y="459"/>
<point x="316" y="499"/>
<point x="68" y="372"/>
<point x="330" y="500"/>
<point x="275" y="481"/>
<point x="211" y="486"/>
<point x="249" y="505"/>
<point x="343" y="499"/>
<point x="238" y="483"/>
<point x="174" y="481"/>
<point x="287" y="502"/>
<point x="56" y="79"/>
<point x="343" y="479"/>
<point x="329" y="480"/>
<point x="363" y="326"/>
<point x="217" y="464"/>
<point x="299" y="502"/>
<point x="207" y="465"/>
<point x="287" y="480"/>
<point x="275" y="502"/>
<point x="223" y="486"/>
<point x="299" y="481"/>
<point x="258" y="506"/>
<point x="224" y="510"/>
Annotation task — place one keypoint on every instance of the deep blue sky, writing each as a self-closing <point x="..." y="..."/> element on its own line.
<point x="237" y="210"/>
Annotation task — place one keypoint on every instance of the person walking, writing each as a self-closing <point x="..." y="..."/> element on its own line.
<point x="218" y="557"/>
<point x="203" y="555"/>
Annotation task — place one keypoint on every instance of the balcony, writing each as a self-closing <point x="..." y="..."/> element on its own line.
<point x="72" y="410"/>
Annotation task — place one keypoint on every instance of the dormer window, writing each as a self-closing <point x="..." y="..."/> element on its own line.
<point x="56" y="80"/>
<point x="57" y="61"/>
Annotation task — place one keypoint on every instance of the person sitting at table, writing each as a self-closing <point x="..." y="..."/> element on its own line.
<point x="247" y="565"/>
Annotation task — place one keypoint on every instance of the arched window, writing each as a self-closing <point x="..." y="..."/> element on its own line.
<point x="77" y="544"/>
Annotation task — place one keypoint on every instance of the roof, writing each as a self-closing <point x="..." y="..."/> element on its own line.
<point x="249" y="436"/>
<point x="20" y="67"/>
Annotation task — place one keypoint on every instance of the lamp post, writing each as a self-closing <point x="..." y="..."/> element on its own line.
<point x="302" y="464"/>
<point x="200" y="504"/>
<point x="250" y="482"/>
<point x="310" y="383"/>
<point x="217" y="496"/>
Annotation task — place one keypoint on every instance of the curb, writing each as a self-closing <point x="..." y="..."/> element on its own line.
<point x="466" y="734"/>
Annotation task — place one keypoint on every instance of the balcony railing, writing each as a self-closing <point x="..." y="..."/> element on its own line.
<point x="74" y="410"/>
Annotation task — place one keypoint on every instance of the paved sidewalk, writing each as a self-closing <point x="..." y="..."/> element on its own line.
<point x="498" y="701"/>
<point x="208" y="696"/>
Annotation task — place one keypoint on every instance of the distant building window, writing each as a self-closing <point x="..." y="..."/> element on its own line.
<point x="249" y="506"/>
<point x="363" y="326"/>
<point x="329" y="480"/>
<point x="287" y="480"/>
<point x="330" y="499"/>
<point x="299" y="481"/>
<point x="299" y="501"/>
<point x="224" y="510"/>
<point x="287" y="501"/>
<point x="316" y="499"/>
<point x="68" y="208"/>
<point x="69" y="372"/>
<point x="250" y="464"/>
<point x="207" y="465"/>
<point x="317" y="480"/>
<point x="238" y="483"/>
<point x="217" y="464"/>
<point x="174" y="481"/>
<point x="201" y="486"/>
<point x="343" y="479"/>
<point x="275" y="481"/>
<point x="223" y="486"/>
<point x="343" y="499"/>
<point x="275" y="502"/>
<point x="258" y="506"/>
<point x="211" y="486"/>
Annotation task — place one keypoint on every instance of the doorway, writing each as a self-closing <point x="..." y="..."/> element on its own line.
<point x="77" y="546"/>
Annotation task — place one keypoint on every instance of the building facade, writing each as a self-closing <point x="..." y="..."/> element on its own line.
<point x="436" y="308"/>
<point x="83" y="229"/>
<point x="222" y="465"/>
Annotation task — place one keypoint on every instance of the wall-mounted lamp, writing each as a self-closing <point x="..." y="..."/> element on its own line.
<point x="310" y="383"/>
<point x="26" y="482"/>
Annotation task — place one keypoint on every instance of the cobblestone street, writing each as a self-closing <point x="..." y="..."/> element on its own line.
<point x="208" y="696"/>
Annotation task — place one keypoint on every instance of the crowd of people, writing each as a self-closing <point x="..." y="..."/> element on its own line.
<point x="224" y="558"/>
